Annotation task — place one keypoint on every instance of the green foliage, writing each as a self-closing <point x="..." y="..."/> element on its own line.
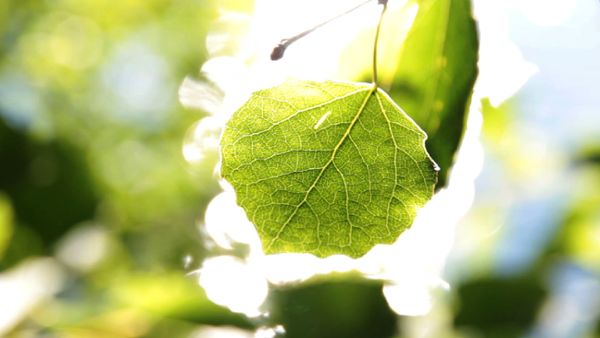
<point x="173" y="296"/>
<point x="579" y="235"/>
<point x="38" y="173"/>
<point x="435" y="75"/>
<point x="83" y="139"/>
<point x="516" y="302"/>
<point x="322" y="308"/>
<point x="6" y="220"/>
<point x="326" y="168"/>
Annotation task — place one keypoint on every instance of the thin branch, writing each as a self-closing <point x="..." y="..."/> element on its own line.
<point x="279" y="50"/>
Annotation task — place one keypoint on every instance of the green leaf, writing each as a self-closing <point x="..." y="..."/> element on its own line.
<point x="436" y="73"/>
<point x="326" y="168"/>
<point x="6" y="223"/>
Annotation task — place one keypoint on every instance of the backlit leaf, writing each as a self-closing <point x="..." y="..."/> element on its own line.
<point x="326" y="168"/>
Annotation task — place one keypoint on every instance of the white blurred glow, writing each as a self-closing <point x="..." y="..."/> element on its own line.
<point x="286" y="268"/>
<point x="230" y="282"/>
<point x="545" y="12"/>
<point x="221" y="332"/>
<point x="226" y="71"/>
<point x="226" y="223"/>
<point x="201" y="141"/>
<point x="187" y="261"/>
<point x="83" y="247"/>
<point x="200" y="95"/>
<point x="222" y="39"/>
<point x="502" y="68"/>
<point x="269" y="332"/>
<point x="24" y="287"/>
<point x="277" y="268"/>
<point x="408" y="300"/>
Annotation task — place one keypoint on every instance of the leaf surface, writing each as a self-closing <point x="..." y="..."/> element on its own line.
<point x="435" y="75"/>
<point x="326" y="168"/>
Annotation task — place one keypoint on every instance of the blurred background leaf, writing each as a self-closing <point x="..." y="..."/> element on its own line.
<point x="435" y="74"/>
<point x="333" y="306"/>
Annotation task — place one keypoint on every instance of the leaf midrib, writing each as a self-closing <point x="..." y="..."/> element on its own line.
<point x="370" y="92"/>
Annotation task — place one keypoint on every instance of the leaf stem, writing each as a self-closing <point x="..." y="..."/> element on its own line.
<point x="278" y="51"/>
<point x="384" y="3"/>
